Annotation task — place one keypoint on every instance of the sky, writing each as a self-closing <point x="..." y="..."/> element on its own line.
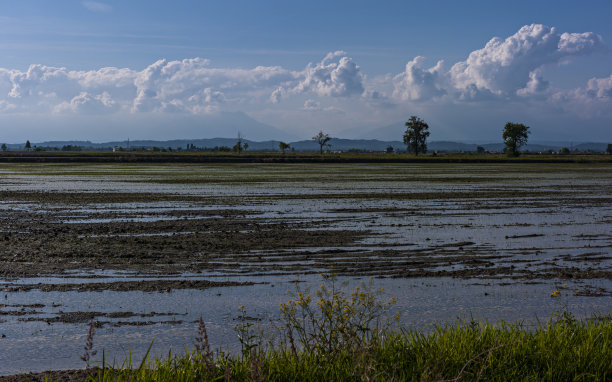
<point x="107" y="70"/>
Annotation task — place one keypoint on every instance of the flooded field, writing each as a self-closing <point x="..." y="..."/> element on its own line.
<point x="145" y="250"/>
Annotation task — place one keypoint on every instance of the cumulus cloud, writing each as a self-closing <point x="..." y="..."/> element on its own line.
<point x="87" y="103"/>
<point x="600" y="88"/>
<point x="593" y="100"/>
<point x="312" y="105"/>
<point x="505" y="66"/>
<point x="417" y="84"/>
<point x="189" y="85"/>
<point x="510" y="68"/>
<point x="535" y="86"/>
<point x="336" y="75"/>
<point x="180" y="84"/>
<point x="277" y="95"/>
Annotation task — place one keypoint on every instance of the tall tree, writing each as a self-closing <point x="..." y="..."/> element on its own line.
<point x="321" y="139"/>
<point x="515" y="135"/>
<point x="240" y="145"/>
<point x="28" y="146"/>
<point x="283" y="146"/>
<point x="415" y="137"/>
<point x="4" y="148"/>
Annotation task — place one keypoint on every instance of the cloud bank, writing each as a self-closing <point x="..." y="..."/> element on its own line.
<point x="511" y="69"/>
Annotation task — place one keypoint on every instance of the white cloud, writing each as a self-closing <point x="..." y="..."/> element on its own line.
<point x="97" y="6"/>
<point x="189" y="85"/>
<point x="593" y="100"/>
<point x="181" y="83"/>
<point x="276" y="95"/>
<point x="312" y="105"/>
<point x="331" y="77"/>
<point x="417" y="84"/>
<point x="332" y="90"/>
<point x="504" y="67"/>
<point x="87" y="103"/>
<point x="600" y="88"/>
<point x="536" y="85"/>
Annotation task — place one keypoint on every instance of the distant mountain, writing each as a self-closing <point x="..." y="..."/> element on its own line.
<point x="392" y="131"/>
<point x="335" y="144"/>
<point x="590" y="146"/>
<point x="340" y="144"/>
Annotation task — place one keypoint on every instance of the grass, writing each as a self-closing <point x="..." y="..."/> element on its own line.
<point x="562" y="349"/>
<point x="330" y="335"/>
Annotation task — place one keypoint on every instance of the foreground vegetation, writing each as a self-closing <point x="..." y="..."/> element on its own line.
<point x="330" y="335"/>
<point x="562" y="349"/>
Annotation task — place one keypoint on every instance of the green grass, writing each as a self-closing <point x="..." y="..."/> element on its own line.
<point x="562" y="349"/>
<point x="328" y="334"/>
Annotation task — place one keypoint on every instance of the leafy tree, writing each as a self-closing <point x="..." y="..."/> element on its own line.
<point x="480" y="150"/>
<point x="4" y="148"/>
<point x="415" y="137"/>
<point x="609" y="149"/>
<point x="515" y="135"/>
<point x="284" y="146"/>
<point x="321" y="139"/>
<point x="564" y="151"/>
<point x="389" y="150"/>
<point x="71" y="148"/>
<point x="240" y="146"/>
<point x="28" y="146"/>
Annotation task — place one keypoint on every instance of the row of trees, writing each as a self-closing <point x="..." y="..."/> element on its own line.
<point x="415" y="138"/>
<point x="417" y="131"/>
<point x="515" y="136"/>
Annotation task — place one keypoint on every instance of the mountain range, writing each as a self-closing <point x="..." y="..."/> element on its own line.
<point x="336" y="144"/>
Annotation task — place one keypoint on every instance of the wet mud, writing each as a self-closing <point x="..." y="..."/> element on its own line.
<point x="158" y="229"/>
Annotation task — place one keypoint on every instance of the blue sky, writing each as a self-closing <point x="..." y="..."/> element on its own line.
<point x="92" y="69"/>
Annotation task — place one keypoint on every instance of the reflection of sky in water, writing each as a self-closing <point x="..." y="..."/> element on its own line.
<point x="421" y="301"/>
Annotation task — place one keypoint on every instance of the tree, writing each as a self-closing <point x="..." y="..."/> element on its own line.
<point x="515" y="136"/>
<point x="71" y="148"/>
<point x="284" y="146"/>
<point x="480" y="150"/>
<point x="28" y="146"/>
<point x="609" y="149"/>
<point x="564" y="151"/>
<point x="389" y="150"/>
<point x="240" y="146"/>
<point x="321" y="139"/>
<point x="416" y="135"/>
<point x="4" y="148"/>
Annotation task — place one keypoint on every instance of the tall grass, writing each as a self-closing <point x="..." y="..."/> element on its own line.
<point x="338" y="336"/>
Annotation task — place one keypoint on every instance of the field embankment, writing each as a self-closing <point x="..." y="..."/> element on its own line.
<point x="264" y="157"/>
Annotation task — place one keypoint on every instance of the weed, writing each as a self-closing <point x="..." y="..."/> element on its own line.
<point x="88" y="349"/>
<point x="342" y="336"/>
<point x="336" y="321"/>
<point x="250" y="334"/>
<point x="203" y="351"/>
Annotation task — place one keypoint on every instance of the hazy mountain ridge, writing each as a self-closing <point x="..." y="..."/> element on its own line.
<point x="335" y="144"/>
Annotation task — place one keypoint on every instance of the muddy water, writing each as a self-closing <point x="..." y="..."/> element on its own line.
<point x="144" y="251"/>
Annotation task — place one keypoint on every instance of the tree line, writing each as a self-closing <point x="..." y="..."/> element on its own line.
<point x="515" y="136"/>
